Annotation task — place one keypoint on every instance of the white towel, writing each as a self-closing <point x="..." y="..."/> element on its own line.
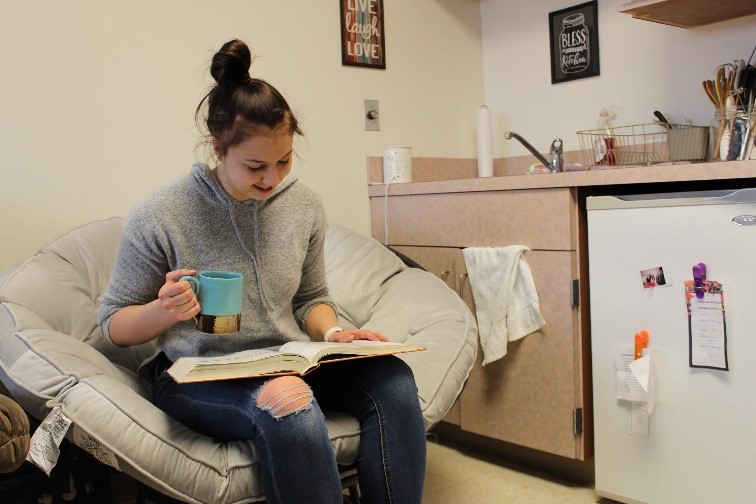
<point x="506" y="301"/>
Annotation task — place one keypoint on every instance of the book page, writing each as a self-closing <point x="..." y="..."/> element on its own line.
<point x="243" y="356"/>
<point x="185" y="365"/>
<point x="314" y="350"/>
<point x="298" y="357"/>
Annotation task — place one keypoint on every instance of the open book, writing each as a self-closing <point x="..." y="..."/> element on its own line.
<point x="293" y="358"/>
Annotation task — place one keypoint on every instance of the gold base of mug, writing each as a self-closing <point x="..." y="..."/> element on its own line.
<point x="222" y="324"/>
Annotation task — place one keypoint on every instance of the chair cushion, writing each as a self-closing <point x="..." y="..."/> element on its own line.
<point x="62" y="285"/>
<point x="375" y="290"/>
<point x="357" y="268"/>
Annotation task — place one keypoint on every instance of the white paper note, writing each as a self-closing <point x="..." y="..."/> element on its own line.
<point x="628" y="386"/>
<point x="635" y="383"/>
<point x="639" y="419"/>
<point x="708" y="338"/>
<point x="643" y="372"/>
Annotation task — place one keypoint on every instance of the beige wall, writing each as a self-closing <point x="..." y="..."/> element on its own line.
<point x="644" y="67"/>
<point x="97" y="98"/>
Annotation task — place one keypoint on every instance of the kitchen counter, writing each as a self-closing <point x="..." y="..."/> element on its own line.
<point x="618" y="176"/>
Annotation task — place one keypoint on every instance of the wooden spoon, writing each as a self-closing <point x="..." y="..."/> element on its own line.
<point x="711" y="93"/>
<point x="720" y="82"/>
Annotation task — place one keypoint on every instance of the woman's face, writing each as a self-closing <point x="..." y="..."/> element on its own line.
<point x="253" y="168"/>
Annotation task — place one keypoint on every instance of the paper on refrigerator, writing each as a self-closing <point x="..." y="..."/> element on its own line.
<point x="643" y="372"/>
<point x="635" y="383"/>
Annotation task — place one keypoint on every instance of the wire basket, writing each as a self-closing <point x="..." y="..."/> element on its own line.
<point x="643" y="144"/>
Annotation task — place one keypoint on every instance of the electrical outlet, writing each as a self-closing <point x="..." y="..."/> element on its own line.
<point x="372" y="119"/>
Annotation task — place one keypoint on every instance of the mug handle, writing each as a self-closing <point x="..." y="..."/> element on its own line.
<point x="193" y="281"/>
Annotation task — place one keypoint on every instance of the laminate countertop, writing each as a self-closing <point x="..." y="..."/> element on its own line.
<point x="668" y="176"/>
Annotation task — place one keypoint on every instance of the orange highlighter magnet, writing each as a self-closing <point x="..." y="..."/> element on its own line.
<point x="641" y="342"/>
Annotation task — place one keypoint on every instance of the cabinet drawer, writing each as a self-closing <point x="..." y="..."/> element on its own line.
<point x="541" y="219"/>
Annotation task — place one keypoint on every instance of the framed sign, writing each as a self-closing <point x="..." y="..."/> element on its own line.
<point x="574" y="42"/>
<point x="362" y="35"/>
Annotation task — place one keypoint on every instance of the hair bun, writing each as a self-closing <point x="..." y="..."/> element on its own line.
<point x="231" y="63"/>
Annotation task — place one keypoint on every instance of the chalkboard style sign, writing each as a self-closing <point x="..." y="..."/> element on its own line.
<point x="574" y="42"/>
<point x="362" y="35"/>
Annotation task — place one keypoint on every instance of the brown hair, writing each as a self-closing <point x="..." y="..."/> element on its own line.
<point x="238" y="105"/>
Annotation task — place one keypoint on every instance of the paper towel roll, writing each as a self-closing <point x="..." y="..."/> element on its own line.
<point x="485" y="157"/>
<point x="397" y="164"/>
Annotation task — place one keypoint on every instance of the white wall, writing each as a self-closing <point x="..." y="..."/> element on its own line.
<point x="644" y="67"/>
<point x="97" y="98"/>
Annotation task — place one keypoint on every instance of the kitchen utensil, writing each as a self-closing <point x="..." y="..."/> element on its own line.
<point x="730" y="139"/>
<point x="724" y="80"/>
<point x="719" y="88"/>
<point x="711" y="93"/>
<point x="720" y="84"/>
<point x="662" y="119"/>
<point x="748" y="140"/>
<point x="739" y="74"/>
<point x="737" y="137"/>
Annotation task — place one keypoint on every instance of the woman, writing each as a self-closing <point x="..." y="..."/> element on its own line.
<point x="249" y="215"/>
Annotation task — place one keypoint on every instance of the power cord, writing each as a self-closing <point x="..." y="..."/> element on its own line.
<point x="385" y="210"/>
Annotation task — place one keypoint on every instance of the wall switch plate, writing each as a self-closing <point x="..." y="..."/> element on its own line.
<point x="372" y="119"/>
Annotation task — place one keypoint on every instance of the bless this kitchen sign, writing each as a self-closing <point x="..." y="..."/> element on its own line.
<point x="574" y="42"/>
<point x="362" y="34"/>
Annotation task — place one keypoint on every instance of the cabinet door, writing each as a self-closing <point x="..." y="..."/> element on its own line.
<point x="529" y="397"/>
<point x="441" y="261"/>
<point x="445" y="263"/>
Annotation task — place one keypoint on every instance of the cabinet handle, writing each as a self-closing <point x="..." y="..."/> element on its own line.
<point x="575" y="292"/>
<point x="444" y="275"/>
<point x="461" y="283"/>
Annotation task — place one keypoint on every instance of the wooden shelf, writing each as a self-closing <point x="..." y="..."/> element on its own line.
<point x="688" y="13"/>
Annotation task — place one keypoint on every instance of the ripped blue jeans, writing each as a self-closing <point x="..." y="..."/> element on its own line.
<point x="287" y="426"/>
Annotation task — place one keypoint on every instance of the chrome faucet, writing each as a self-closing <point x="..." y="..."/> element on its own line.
<point x="557" y="161"/>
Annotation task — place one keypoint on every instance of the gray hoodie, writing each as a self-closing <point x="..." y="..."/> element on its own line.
<point x="277" y="244"/>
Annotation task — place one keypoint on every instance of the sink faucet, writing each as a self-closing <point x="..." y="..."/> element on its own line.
<point x="557" y="161"/>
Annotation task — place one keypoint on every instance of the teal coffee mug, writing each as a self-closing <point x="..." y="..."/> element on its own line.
<point x="220" y="297"/>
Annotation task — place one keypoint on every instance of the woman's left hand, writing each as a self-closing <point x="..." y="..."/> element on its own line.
<point x="349" y="335"/>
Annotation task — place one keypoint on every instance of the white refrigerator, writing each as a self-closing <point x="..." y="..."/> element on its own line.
<point x="698" y="445"/>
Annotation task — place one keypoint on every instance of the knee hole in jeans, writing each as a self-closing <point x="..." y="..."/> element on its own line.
<point x="284" y="395"/>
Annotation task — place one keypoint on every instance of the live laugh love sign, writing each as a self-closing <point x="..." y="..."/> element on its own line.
<point x="362" y="34"/>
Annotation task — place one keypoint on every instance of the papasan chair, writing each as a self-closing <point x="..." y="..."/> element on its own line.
<point x="54" y="360"/>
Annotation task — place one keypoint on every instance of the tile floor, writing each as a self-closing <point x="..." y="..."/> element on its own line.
<point x="454" y="476"/>
<point x="457" y="476"/>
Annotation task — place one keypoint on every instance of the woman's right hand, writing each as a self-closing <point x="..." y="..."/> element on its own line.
<point x="177" y="297"/>
<point x="137" y="324"/>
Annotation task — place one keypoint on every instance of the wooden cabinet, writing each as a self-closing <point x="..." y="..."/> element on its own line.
<point x="688" y="13"/>
<point x="538" y="396"/>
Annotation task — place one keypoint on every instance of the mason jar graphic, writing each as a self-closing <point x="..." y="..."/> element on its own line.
<point x="574" y="49"/>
